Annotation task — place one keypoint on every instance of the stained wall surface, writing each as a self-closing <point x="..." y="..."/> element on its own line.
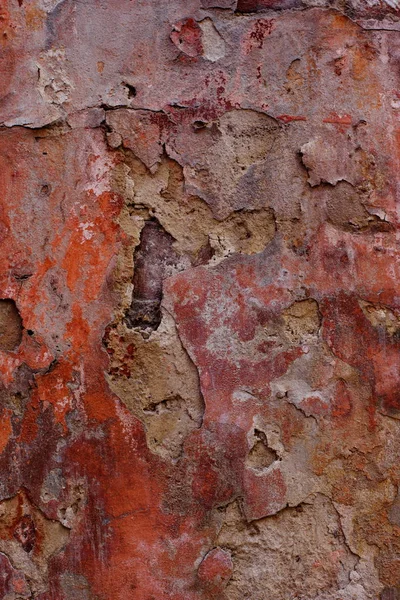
<point x="199" y="300"/>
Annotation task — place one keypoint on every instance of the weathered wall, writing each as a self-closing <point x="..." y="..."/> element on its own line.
<point x="200" y="304"/>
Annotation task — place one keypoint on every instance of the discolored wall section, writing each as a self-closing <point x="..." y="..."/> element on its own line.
<point x="199" y="300"/>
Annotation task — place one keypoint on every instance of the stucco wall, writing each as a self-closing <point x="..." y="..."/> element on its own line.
<point x="200" y="302"/>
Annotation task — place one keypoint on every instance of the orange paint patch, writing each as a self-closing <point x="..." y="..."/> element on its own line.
<point x="55" y="387"/>
<point x="337" y="119"/>
<point x="290" y="118"/>
<point x="5" y="428"/>
<point x="34" y="17"/>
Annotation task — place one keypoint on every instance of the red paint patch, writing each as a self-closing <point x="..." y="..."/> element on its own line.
<point x="187" y="36"/>
<point x="264" y="494"/>
<point x="215" y="570"/>
<point x="257" y="34"/>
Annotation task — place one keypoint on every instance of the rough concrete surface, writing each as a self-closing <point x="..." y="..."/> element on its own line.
<point x="199" y="300"/>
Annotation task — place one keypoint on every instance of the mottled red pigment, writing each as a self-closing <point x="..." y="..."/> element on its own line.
<point x="199" y="300"/>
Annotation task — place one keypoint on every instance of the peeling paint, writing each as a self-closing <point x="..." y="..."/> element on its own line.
<point x="199" y="306"/>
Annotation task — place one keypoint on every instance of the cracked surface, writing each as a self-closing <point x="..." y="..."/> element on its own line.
<point x="274" y="558"/>
<point x="199" y="305"/>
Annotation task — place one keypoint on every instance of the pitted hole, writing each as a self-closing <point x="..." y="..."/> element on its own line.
<point x="199" y="125"/>
<point x="131" y="90"/>
<point x="45" y="189"/>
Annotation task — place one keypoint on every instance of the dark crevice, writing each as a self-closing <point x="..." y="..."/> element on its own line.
<point x="154" y="257"/>
<point x="25" y="533"/>
<point x="255" y="6"/>
<point x="131" y="90"/>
